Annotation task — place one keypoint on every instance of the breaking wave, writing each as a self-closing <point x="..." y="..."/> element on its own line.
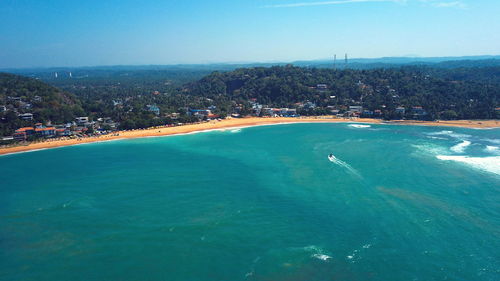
<point x="359" y="126"/>
<point x="449" y="134"/>
<point x="492" y="149"/>
<point x="460" y="148"/>
<point x="489" y="164"/>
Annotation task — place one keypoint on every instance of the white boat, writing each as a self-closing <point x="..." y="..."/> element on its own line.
<point x="332" y="157"/>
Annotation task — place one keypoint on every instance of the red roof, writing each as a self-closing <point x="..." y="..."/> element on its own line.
<point x="45" y="129"/>
<point x="25" y="129"/>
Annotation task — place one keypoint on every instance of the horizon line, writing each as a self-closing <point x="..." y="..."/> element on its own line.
<point x="244" y="62"/>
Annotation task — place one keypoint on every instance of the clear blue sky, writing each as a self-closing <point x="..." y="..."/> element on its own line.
<point x="113" y="32"/>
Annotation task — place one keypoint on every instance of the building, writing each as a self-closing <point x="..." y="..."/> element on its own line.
<point x="26" y="116"/>
<point x="356" y="108"/>
<point x="22" y="134"/>
<point x="200" y="113"/>
<point x="3" y="108"/>
<point x="153" y="108"/>
<point x="81" y="120"/>
<point x="418" y="112"/>
<point x="46" y="132"/>
<point x="367" y="113"/>
<point x="13" y="98"/>
<point x="400" y="110"/>
<point x="288" y="112"/>
<point x="63" y="132"/>
<point x="322" y="87"/>
<point x="174" y="115"/>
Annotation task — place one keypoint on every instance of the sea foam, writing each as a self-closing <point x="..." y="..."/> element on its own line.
<point x="359" y="126"/>
<point x="460" y="148"/>
<point x="489" y="164"/>
<point x="449" y="134"/>
<point x="492" y="149"/>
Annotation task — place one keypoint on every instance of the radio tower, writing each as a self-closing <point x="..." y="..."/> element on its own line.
<point x="345" y="61"/>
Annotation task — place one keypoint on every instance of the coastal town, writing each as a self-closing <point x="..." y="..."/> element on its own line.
<point x="86" y="127"/>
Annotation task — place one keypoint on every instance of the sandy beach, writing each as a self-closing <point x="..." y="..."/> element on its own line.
<point x="232" y="123"/>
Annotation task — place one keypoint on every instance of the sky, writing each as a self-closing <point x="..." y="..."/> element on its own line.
<point x="48" y="33"/>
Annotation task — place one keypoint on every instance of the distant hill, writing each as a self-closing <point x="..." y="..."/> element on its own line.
<point x="183" y="73"/>
<point x="21" y="95"/>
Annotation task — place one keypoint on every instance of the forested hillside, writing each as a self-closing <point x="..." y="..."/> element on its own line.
<point x="137" y="101"/>
<point x="441" y="93"/>
<point x="20" y="95"/>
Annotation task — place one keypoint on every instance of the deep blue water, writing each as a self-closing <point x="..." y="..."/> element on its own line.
<point x="260" y="203"/>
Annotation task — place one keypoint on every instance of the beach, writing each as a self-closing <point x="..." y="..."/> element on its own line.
<point x="234" y="123"/>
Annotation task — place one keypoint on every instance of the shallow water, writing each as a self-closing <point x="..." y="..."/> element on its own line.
<point x="261" y="203"/>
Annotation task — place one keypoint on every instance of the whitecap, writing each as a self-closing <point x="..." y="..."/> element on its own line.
<point x="489" y="164"/>
<point x="430" y="148"/>
<point x="359" y="126"/>
<point x="436" y="138"/>
<point x="235" y="131"/>
<point x="449" y="133"/>
<point x="321" y="257"/>
<point x="492" y="149"/>
<point x="460" y="148"/>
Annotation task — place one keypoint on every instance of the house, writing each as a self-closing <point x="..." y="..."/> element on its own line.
<point x="356" y="108"/>
<point x="24" y="105"/>
<point x="153" y="108"/>
<point x="3" y="108"/>
<point x="418" y="112"/>
<point x="322" y="87"/>
<point x="37" y="98"/>
<point x="174" y="115"/>
<point x="200" y="113"/>
<point x="368" y="113"/>
<point x="26" y="116"/>
<point x="81" y="120"/>
<point x="288" y="112"/>
<point x="400" y="110"/>
<point x="14" y="98"/>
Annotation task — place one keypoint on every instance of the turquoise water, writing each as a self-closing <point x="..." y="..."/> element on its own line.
<point x="260" y="203"/>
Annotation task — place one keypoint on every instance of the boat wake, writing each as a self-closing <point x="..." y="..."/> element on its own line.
<point x="344" y="165"/>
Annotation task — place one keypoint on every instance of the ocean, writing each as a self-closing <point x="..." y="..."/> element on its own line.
<point x="259" y="203"/>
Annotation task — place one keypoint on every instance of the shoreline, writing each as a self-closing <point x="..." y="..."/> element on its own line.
<point x="237" y="123"/>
